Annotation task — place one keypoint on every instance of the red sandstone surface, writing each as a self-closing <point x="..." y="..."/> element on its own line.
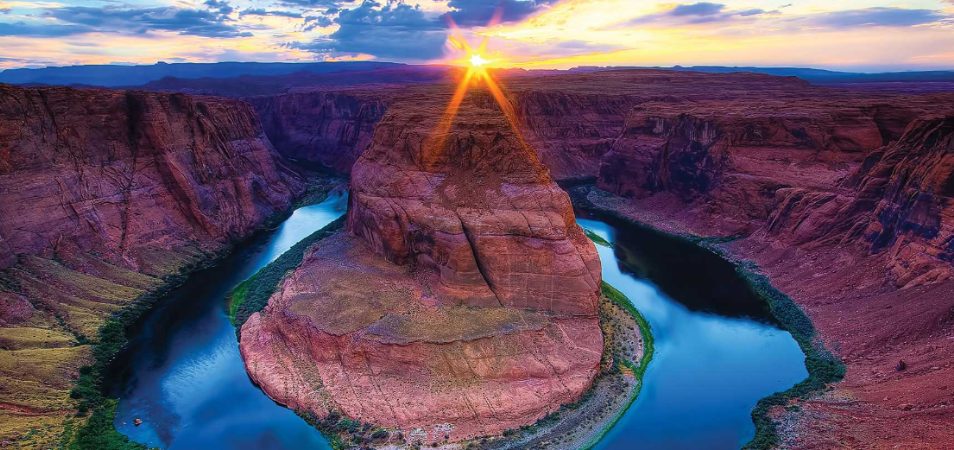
<point x="841" y="195"/>
<point x="843" y="213"/>
<point x="104" y="194"/>
<point x="463" y="299"/>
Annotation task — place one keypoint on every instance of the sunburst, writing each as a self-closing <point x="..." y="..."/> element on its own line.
<point x="478" y="64"/>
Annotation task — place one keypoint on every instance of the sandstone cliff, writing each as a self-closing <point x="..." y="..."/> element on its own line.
<point x="462" y="303"/>
<point x="333" y="127"/>
<point x="102" y="195"/>
<point x="843" y="199"/>
<point x="328" y="128"/>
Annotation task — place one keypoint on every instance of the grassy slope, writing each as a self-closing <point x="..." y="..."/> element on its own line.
<point x="252" y="294"/>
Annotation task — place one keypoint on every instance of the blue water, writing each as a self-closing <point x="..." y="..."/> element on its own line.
<point x="716" y="353"/>
<point x="183" y="374"/>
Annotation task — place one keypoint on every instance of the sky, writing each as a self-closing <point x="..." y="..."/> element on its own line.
<point x="860" y="35"/>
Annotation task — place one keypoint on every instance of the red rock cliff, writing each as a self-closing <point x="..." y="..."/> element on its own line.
<point x="329" y="128"/>
<point x="464" y="303"/>
<point x="102" y="194"/>
<point x="129" y="174"/>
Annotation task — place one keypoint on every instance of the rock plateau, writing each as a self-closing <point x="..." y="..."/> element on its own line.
<point x="463" y="299"/>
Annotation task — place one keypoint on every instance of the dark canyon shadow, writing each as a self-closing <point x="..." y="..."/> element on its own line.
<point x="698" y="278"/>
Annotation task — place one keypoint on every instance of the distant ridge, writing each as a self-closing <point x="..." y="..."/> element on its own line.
<point x="115" y="75"/>
<point x="124" y="76"/>
<point x="816" y="76"/>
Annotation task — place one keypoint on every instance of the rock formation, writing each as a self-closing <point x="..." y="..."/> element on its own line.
<point x="842" y="198"/>
<point x="103" y="194"/>
<point x="328" y="128"/>
<point x="463" y="299"/>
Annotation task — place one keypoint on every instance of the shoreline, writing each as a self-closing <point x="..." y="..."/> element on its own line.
<point x="824" y="367"/>
<point x="92" y="426"/>
<point x="628" y="349"/>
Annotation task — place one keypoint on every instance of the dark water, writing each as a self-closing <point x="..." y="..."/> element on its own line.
<point x="717" y="351"/>
<point x="183" y="375"/>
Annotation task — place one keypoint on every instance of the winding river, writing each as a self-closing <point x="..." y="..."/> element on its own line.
<point x="182" y="373"/>
<point x="717" y="350"/>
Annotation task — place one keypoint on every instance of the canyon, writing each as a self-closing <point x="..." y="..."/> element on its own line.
<point x="105" y="198"/>
<point x="842" y="197"/>
<point x="461" y="301"/>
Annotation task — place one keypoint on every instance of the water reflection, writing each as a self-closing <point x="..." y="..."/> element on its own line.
<point x="183" y="374"/>
<point x="717" y="352"/>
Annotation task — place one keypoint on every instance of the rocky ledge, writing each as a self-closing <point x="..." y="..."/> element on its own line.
<point x="463" y="299"/>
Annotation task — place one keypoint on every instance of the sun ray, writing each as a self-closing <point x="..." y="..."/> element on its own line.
<point x="477" y="70"/>
<point x="438" y="137"/>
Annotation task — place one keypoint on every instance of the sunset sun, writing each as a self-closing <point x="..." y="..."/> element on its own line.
<point x="476" y="60"/>
<point x="476" y="224"/>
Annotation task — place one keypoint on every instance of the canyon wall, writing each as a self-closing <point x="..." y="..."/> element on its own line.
<point x="333" y="127"/>
<point x="843" y="200"/>
<point x="327" y="128"/>
<point x="461" y="302"/>
<point x="103" y="195"/>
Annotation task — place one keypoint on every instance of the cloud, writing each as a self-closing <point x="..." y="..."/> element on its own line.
<point x="698" y="13"/>
<point x="393" y="30"/>
<point x="220" y="6"/>
<point x="467" y="13"/>
<point x="697" y="9"/>
<point x="269" y="12"/>
<point x="196" y="22"/>
<point x="313" y="3"/>
<point x="41" y="30"/>
<point x="320" y="21"/>
<point x="885" y="17"/>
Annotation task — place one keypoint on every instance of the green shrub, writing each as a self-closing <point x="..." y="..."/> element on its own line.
<point x="252" y="294"/>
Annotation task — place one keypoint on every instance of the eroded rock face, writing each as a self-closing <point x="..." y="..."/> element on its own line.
<point x="462" y="302"/>
<point x="327" y="128"/>
<point x="131" y="174"/>
<point x="104" y="194"/>
<point x="482" y="213"/>
<point x="897" y="203"/>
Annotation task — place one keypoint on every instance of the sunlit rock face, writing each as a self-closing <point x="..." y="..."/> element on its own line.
<point x="461" y="302"/>
<point x="132" y="176"/>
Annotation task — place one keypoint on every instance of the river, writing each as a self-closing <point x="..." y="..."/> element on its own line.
<point x="717" y="351"/>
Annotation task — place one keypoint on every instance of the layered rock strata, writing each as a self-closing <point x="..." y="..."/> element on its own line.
<point x="103" y="195"/>
<point x="867" y="254"/>
<point x="463" y="299"/>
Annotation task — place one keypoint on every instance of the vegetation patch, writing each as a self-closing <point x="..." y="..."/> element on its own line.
<point x="252" y="295"/>
<point x="597" y="239"/>
<point x="645" y="330"/>
<point x="638" y="370"/>
<point x="824" y="368"/>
